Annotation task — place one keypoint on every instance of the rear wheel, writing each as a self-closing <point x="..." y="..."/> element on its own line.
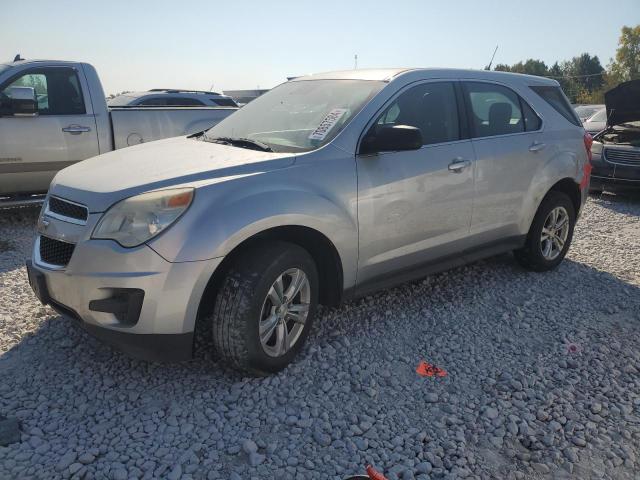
<point x="550" y="234"/>
<point x="265" y="308"/>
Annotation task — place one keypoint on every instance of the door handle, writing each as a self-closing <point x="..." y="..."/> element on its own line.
<point x="76" y="129"/>
<point x="537" y="146"/>
<point x="458" y="165"/>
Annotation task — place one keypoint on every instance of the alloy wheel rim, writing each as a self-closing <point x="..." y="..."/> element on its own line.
<point x="555" y="231"/>
<point x="284" y="312"/>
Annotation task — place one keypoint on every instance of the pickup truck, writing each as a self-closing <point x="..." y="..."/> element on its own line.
<point x="54" y="114"/>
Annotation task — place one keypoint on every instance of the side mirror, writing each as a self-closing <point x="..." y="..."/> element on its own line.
<point x="23" y="101"/>
<point x="392" y="138"/>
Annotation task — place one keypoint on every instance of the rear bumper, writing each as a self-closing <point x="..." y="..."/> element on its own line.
<point x="614" y="184"/>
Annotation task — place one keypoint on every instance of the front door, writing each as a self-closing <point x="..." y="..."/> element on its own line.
<point x="34" y="148"/>
<point x="415" y="206"/>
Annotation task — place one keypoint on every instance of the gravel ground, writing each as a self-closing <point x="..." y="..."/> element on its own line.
<point x="542" y="380"/>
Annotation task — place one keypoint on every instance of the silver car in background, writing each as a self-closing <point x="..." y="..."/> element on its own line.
<point x="586" y="111"/>
<point x="327" y="187"/>
<point x="596" y="122"/>
<point x="171" y="97"/>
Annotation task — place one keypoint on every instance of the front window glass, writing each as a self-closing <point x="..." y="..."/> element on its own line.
<point x="430" y="107"/>
<point x="298" y="116"/>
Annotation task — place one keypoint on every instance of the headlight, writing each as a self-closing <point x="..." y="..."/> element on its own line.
<point x="138" y="219"/>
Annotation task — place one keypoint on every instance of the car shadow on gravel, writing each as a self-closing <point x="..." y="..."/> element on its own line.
<point x="18" y="224"/>
<point x="626" y="203"/>
<point x="480" y="323"/>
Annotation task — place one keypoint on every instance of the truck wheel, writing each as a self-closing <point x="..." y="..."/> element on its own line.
<point x="550" y="234"/>
<point x="265" y="308"/>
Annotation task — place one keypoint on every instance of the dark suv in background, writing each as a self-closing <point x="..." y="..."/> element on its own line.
<point x="616" y="150"/>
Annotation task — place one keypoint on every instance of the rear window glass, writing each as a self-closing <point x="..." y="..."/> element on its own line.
<point x="224" y="102"/>
<point x="554" y="97"/>
<point x="531" y="121"/>
<point x="495" y="110"/>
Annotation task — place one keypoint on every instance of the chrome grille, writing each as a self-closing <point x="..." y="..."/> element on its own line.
<point x="55" y="252"/>
<point x="623" y="157"/>
<point x="66" y="209"/>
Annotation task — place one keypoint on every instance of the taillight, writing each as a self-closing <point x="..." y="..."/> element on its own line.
<point x="588" y="141"/>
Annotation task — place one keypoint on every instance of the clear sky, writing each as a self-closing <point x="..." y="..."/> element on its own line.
<point x="137" y="45"/>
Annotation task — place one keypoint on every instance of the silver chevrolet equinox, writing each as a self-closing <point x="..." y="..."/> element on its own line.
<point x="327" y="187"/>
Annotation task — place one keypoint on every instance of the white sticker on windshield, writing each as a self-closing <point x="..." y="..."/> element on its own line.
<point x="328" y="123"/>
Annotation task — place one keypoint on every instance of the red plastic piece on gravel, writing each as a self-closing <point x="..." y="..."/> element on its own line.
<point x="374" y="474"/>
<point x="425" y="369"/>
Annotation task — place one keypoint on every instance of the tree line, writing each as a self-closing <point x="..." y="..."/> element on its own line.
<point x="583" y="78"/>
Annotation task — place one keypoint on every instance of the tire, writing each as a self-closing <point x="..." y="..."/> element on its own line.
<point x="532" y="256"/>
<point x="244" y="297"/>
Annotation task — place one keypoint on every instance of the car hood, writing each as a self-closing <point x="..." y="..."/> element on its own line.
<point x="103" y="180"/>
<point x="623" y="103"/>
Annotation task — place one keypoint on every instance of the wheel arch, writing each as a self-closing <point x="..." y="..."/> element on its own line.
<point x="566" y="185"/>
<point x="569" y="187"/>
<point x="320" y="247"/>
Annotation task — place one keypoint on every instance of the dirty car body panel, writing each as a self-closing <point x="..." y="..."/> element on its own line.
<point x="390" y="216"/>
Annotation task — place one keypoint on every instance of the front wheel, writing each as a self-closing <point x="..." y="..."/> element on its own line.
<point x="550" y="234"/>
<point x="265" y="308"/>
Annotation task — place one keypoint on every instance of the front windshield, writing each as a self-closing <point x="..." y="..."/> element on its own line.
<point x="585" y="111"/>
<point x="601" y="116"/>
<point x="298" y="116"/>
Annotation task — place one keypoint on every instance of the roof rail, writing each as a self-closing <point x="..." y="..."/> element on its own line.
<point x="182" y="90"/>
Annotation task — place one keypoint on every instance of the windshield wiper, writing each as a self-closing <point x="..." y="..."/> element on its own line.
<point x="242" y="143"/>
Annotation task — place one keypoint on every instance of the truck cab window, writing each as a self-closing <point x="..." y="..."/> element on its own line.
<point x="57" y="90"/>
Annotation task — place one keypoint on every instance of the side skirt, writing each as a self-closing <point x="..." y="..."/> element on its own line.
<point x="440" y="265"/>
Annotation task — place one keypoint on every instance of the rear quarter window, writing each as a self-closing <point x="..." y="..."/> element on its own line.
<point x="554" y="97"/>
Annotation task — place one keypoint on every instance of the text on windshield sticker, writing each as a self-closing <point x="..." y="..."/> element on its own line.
<point x="327" y="124"/>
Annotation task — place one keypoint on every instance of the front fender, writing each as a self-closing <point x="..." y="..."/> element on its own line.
<point x="224" y="216"/>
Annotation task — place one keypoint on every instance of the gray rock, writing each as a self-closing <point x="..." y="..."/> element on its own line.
<point x="9" y="431"/>
<point x="121" y="474"/>
<point x="66" y="460"/>
<point x="491" y="413"/>
<point x="579" y="441"/>
<point x="249" y="447"/>
<point x="541" y="468"/>
<point x="322" y="438"/>
<point x="431" y="397"/>
<point x="256" y="459"/>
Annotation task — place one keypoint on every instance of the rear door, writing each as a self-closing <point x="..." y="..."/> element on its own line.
<point x="509" y="148"/>
<point x="34" y="148"/>
<point x="415" y="206"/>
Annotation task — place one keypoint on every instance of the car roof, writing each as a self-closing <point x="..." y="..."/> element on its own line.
<point x="165" y="93"/>
<point x="389" y="74"/>
<point x="36" y="61"/>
